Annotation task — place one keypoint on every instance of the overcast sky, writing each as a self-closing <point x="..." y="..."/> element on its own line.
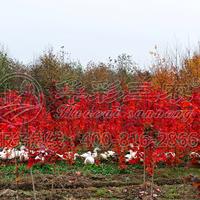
<point x="97" y="29"/>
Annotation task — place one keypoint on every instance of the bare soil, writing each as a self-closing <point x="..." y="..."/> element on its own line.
<point x="76" y="185"/>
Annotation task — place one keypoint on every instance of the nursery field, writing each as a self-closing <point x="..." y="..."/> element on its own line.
<point x="111" y="129"/>
<point x="138" y="143"/>
<point x="105" y="181"/>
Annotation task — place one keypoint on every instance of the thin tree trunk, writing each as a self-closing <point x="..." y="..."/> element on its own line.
<point x="52" y="183"/>
<point x="144" y="171"/>
<point x="33" y="183"/>
<point x="16" y="177"/>
<point x="152" y="181"/>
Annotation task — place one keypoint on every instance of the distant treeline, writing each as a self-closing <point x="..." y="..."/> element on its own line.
<point x="165" y="73"/>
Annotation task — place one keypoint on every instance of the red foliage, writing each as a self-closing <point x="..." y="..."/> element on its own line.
<point x="148" y="119"/>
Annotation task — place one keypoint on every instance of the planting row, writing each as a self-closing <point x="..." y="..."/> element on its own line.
<point x="62" y="120"/>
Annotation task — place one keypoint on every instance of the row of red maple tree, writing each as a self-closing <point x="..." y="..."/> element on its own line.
<point x="71" y="120"/>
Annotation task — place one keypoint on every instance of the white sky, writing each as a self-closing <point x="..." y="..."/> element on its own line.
<point x="97" y="29"/>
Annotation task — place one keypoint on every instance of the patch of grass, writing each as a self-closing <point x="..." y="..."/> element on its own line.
<point x="101" y="192"/>
<point x="175" y="192"/>
<point x="172" y="193"/>
<point x="176" y="172"/>
<point x="8" y="172"/>
<point x="103" y="169"/>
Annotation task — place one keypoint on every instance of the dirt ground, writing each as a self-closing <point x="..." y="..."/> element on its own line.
<point x="77" y="185"/>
